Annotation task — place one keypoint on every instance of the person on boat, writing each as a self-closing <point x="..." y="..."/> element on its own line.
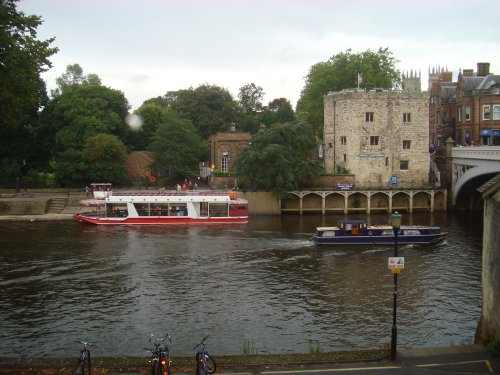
<point x="178" y="188"/>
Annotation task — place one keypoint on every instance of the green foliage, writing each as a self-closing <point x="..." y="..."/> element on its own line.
<point x="81" y="111"/>
<point x="104" y="147"/>
<point x="210" y="108"/>
<point x="378" y="69"/>
<point x="278" y="111"/>
<point x="22" y="90"/>
<point x="176" y="147"/>
<point x="70" y="168"/>
<point x="152" y="115"/>
<point x="279" y="159"/>
<point x="315" y="348"/>
<point x="105" y="156"/>
<point x="493" y="346"/>
<point x="341" y="170"/>
<point x="248" y="347"/>
<point x="250" y="97"/>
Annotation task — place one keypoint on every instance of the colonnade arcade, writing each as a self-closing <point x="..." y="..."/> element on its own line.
<point x="324" y="202"/>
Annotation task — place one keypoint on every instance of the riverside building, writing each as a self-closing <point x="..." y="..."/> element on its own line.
<point x="380" y="136"/>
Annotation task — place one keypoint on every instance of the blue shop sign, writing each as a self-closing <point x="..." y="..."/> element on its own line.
<point x="485" y="132"/>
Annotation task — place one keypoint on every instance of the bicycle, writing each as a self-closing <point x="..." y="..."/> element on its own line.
<point x="84" y="355"/>
<point x="160" y="361"/>
<point x="205" y="364"/>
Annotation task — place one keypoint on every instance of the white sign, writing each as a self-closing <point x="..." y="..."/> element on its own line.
<point x="396" y="263"/>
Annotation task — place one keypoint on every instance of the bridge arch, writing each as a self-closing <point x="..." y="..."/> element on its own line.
<point x="465" y="173"/>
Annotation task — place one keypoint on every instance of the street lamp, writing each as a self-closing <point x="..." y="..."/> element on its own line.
<point x="396" y="224"/>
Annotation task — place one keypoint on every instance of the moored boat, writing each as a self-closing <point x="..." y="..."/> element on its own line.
<point x="357" y="232"/>
<point x="169" y="207"/>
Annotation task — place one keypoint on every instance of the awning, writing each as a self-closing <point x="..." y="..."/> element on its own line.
<point x="485" y="132"/>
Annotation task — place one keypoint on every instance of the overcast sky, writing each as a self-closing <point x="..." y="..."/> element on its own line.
<point x="148" y="47"/>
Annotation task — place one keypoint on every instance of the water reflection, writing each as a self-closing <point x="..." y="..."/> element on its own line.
<point x="264" y="281"/>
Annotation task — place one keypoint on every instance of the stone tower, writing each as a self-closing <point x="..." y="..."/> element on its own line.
<point x="411" y="82"/>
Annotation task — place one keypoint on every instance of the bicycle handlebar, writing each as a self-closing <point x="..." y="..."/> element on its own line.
<point x="201" y="343"/>
<point x="85" y="343"/>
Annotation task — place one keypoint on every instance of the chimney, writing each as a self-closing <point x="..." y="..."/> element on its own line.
<point x="446" y="77"/>
<point x="483" y="69"/>
<point x="468" y="72"/>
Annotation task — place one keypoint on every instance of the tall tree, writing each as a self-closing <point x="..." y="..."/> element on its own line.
<point x="22" y="91"/>
<point x="176" y="147"/>
<point x="105" y="156"/>
<point x="210" y="108"/>
<point x="376" y="69"/>
<point x="250" y="98"/>
<point x="82" y="107"/>
<point x="279" y="159"/>
<point x="151" y="115"/>
<point x="278" y="111"/>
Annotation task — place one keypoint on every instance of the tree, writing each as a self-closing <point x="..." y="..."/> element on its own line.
<point x="105" y="156"/>
<point x="210" y="108"/>
<point x="176" y="147"/>
<point x="151" y="115"/>
<point x="22" y="91"/>
<point x="377" y="69"/>
<point x="279" y="159"/>
<point x="73" y="77"/>
<point x="250" y="96"/>
<point x="81" y="108"/>
<point x="278" y="111"/>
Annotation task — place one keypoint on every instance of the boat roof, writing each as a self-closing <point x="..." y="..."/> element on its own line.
<point x="165" y="196"/>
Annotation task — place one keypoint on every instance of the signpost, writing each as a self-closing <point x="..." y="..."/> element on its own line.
<point x="396" y="264"/>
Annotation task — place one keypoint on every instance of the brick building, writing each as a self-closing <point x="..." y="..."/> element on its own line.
<point x="467" y="110"/>
<point x="225" y="148"/>
<point x="380" y="136"/>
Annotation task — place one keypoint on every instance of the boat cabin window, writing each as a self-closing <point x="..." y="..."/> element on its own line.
<point x="178" y="209"/>
<point x="116" y="210"/>
<point x="411" y="232"/>
<point x="388" y="232"/>
<point x="327" y="233"/>
<point x="142" y="209"/>
<point x="218" y="210"/>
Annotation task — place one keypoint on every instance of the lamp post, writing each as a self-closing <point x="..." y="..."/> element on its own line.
<point x="396" y="224"/>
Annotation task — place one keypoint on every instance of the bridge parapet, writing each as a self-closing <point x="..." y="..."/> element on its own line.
<point x="476" y="152"/>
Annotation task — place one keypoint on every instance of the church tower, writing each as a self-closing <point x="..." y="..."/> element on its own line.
<point x="411" y="82"/>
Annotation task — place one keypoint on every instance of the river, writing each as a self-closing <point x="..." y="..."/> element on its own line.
<point x="260" y="286"/>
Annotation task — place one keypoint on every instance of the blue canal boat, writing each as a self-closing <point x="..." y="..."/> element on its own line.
<point x="357" y="232"/>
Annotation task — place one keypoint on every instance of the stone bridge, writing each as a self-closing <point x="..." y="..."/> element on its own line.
<point x="471" y="162"/>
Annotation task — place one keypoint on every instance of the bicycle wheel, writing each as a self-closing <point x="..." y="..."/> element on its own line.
<point x="81" y="365"/>
<point x="79" y="369"/>
<point x="154" y="368"/>
<point x="210" y="363"/>
<point x="199" y="366"/>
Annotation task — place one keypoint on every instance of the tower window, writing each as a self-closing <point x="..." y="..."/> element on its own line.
<point x="343" y="140"/>
<point x="406" y="118"/>
<point x="406" y="145"/>
<point x="369" y="116"/>
<point x="373" y="140"/>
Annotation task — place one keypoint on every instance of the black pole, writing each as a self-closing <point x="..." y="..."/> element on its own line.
<point x="394" y="336"/>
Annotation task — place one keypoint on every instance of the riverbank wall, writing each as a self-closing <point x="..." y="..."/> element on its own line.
<point x="489" y="325"/>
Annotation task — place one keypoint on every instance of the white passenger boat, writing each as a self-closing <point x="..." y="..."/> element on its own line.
<point x="168" y="207"/>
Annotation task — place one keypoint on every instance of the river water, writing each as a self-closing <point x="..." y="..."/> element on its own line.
<point x="261" y="285"/>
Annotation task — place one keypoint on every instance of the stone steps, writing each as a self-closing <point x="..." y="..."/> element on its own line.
<point x="56" y="205"/>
